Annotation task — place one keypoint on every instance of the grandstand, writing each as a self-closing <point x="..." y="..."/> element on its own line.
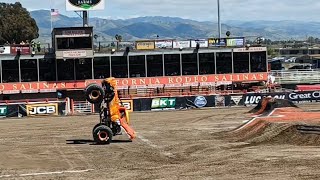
<point x="150" y="68"/>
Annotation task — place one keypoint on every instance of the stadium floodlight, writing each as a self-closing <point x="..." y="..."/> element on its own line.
<point x="180" y="48"/>
<point x="113" y="50"/>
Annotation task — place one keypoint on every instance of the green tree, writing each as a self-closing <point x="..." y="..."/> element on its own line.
<point x="16" y="24"/>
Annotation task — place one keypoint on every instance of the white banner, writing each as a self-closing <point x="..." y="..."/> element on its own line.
<point x="202" y="43"/>
<point x="250" y="49"/>
<point x="4" y="49"/>
<point x="84" y="5"/>
<point x="74" y="54"/>
<point x="163" y="44"/>
<point x="183" y="44"/>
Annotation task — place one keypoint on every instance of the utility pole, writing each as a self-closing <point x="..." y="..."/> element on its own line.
<point x="219" y="22"/>
<point x="85" y="18"/>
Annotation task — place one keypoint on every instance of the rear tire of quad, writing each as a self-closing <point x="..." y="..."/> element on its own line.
<point x="102" y="134"/>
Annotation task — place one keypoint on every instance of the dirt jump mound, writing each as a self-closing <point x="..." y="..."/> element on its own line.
<point x="268" y="104"/>
<point x="281" y="122"/>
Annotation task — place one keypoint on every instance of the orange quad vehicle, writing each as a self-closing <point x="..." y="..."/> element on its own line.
<point x="113" y="115"/>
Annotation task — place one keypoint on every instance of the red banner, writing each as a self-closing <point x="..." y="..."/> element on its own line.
<point x="9" y="88"/>
<point x="24" y="49"/>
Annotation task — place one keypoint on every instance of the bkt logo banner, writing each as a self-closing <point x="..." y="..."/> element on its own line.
<point x="42" y="109"/>
<point x="163" y="103"/>
<point x="3" y="110"/>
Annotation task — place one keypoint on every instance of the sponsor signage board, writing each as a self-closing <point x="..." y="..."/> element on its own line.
<point x="235" y="100"/>
<point x="163" y="104"/>
<point x="216" y="42"/>
<point x="181" y="44"/>
<point x="84" y="5"/>
<point x="4" y="49"/>
<point x="74" y="54"/>
<point x="253" y="99"/>
<point x="203" y="43"/>
<point x="235" y="42"/>
<point x="250" y="49"/>
<point x="42" y="109"/>
<point x="200" y="101"/>
<point x="172" y="81"/>
<point x="24" y="49"/>
<point x="128" y="104"/>
<point x="74" y="33"/>
<point x="145" y="45"/>
<point x="3" y="111"/>
<point x="301" y="97"/>
<point x="162" y="44"/>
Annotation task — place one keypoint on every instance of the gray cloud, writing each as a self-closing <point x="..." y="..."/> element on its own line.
<point x="204" y="10"/>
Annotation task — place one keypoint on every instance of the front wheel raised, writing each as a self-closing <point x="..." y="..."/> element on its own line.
<point x="102" y="134"/>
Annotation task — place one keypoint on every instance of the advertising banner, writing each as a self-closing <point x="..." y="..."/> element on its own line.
<point x="3" y="111"/>
<point x="145" y="45"/>
<point x="42" y="109"/>
<point x="203" y="43"/>
<point x="24" y="49"/>
<point x="84" y="5"/>
<point x="220" y="101"/>
<point x="162" y="44"/>
<point x="305" y="96"/>
<point x="253" y="99"/>
<point x="200" y="101"/>
<point x="250" y="49"/>
<point x="172" y="81"/>
<point x="235" y="42"/>
<point x="74" y="54"/>
<point x="182" y="44"/>
<point x="163" y="104"/>
<point x="4" y="49"/>
<point x="216" y="42"/>
<point x="128" y="104"/>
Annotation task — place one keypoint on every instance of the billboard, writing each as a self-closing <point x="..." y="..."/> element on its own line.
<point x="202" y="43"/>
<point x="163" y="104"/>
<point x="84" y="5"/>
<point x="235" y="42"/>
<point x="183" y="44"/>
<point x="145" y="45"/>
<point x="163" y="44"/>
<point x="42" y="109"/>
<point x="4" y="49"/>
<point x="216" y="42"/>
<point x="24" y="49"/>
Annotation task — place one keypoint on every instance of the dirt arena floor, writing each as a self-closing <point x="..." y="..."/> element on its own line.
<point x="170" y="145"/>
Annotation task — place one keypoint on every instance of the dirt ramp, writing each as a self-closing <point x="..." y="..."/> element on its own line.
<point x="264" y="132"/>
<point x="267" y="104"/>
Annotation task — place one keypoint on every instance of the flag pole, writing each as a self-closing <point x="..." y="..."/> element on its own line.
<point x="51" y="15"/>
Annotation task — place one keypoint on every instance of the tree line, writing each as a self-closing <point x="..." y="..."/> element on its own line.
<point x="16" y="24"/>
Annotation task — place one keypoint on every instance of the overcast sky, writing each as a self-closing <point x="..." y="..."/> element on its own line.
<point x="202" y="10"/>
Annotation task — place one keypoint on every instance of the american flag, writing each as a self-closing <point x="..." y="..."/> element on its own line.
<point x="54" y="12"/>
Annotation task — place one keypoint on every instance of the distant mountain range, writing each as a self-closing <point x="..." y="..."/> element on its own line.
<point x="178" y="28"/>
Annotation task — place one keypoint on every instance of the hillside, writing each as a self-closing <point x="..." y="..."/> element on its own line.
<point x="173" y="27"/>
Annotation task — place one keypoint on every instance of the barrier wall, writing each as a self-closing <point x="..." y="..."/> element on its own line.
<point x="176" y="103"/>
<point x="70" y="107"/>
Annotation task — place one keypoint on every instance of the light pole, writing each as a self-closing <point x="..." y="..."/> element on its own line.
<point x="219" y="23"/>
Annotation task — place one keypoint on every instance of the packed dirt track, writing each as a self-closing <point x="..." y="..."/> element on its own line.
<point x="191" y="144"/>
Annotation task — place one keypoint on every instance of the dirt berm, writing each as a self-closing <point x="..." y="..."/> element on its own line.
<point x="277" y="121"/>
